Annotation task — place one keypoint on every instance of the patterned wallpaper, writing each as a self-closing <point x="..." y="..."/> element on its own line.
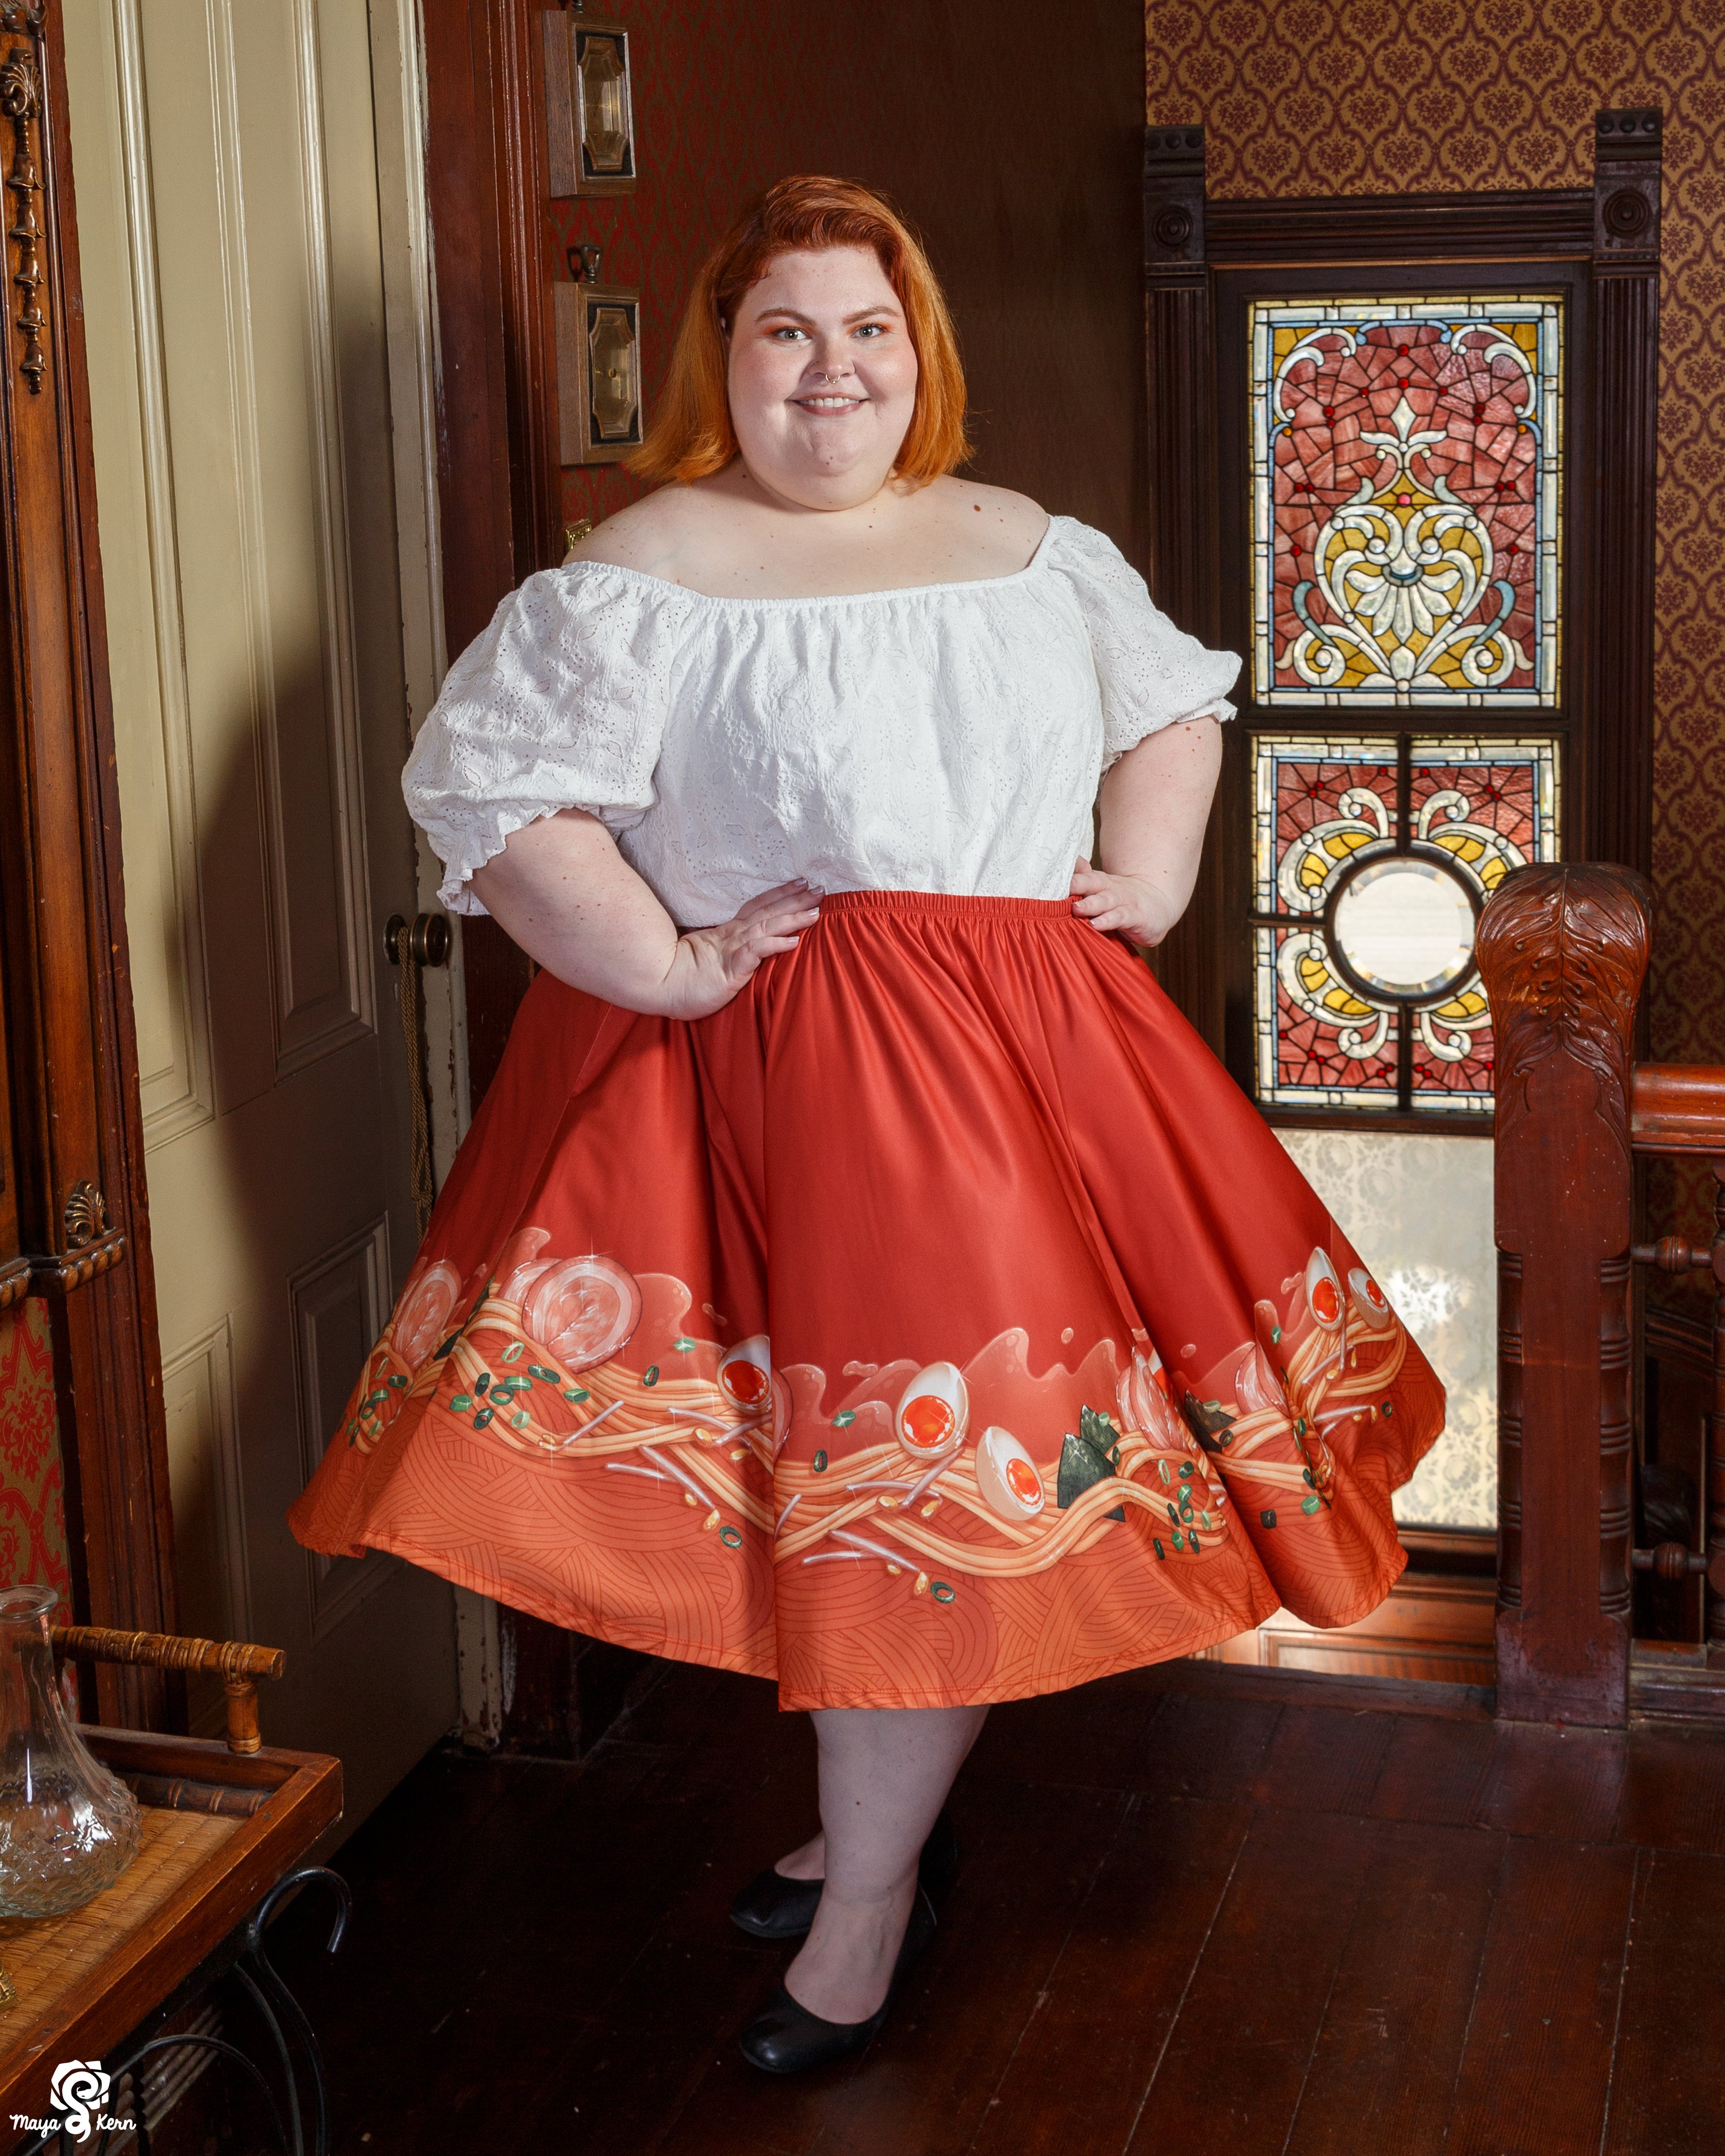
<point x="1299" y="97"/>
<point x="33" y="1513"/>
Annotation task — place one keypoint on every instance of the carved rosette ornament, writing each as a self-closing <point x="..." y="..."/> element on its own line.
<point x="91" y="1245"/>
<point x="21" y="102"/>
<point x="86" y="1215"/>
<point x="1173" y="195"/>
<point x="1628" y="146"/>
<point x="1562" y="950"/>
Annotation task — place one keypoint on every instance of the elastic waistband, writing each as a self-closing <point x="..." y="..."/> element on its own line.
<point x="942" y="901"/>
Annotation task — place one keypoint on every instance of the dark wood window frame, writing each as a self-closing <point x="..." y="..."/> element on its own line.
<point x="1598" y="245"/>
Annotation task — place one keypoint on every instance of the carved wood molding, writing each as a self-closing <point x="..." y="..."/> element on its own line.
<point x="73" y="1207"/>
<point x="85" y="1215"/>
<point x="1612" y="817"/>
<point x="1678" y="1108"/>
<point x="1548" y="221"/>
<point x="1628" y="144"/>
<point x="76" y="1269"/>
<point x="1562" y="950"/>
<point x="1180" y="360"/>
<point x="1173" y="200"/>
<point x="21" y="101"/>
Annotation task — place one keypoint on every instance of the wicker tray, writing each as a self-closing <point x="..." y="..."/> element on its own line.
<point x="47" y="1957"/>
<point x="83" y="1981"/>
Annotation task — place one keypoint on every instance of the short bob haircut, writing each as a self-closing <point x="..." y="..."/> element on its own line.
<point x="691" y="435"/>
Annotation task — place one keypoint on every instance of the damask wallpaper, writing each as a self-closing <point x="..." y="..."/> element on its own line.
<point x="1299" y="97"/>
<point x="32" y="1513"/>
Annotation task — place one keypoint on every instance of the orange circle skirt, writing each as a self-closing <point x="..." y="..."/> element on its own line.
<point x="936" y="1323"/>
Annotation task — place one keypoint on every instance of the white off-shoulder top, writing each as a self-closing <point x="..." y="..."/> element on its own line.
<point x="946" y="737"/>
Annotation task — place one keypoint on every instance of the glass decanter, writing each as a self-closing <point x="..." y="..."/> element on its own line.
<point x="68" y="1828"/>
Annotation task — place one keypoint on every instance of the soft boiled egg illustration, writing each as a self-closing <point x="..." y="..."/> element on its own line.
<point x="1006" y="1474"/>
<point x="748" y="1380"/>
<point x="1323" y="1291"/>
<point x="746" y="1374"/>
<point x="1370" y="1304"/>
<point x="933" y="1412"/>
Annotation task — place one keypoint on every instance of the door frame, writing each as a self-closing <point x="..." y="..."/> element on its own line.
<point x="74" y="1217"/>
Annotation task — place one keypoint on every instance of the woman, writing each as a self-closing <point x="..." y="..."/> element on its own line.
<point x="858" y="1273"/>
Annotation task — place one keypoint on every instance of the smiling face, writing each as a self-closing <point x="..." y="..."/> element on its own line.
<point x="822" y="377"/>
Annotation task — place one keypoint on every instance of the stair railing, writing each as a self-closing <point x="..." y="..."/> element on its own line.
<point x="1563" y="952"/>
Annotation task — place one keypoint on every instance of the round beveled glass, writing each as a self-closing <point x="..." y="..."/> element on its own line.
<point x="1404" y="927"/>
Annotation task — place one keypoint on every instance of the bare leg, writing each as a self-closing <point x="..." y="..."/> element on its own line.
<point x="807" y="1862"/>
<point x="885" y="1773"/>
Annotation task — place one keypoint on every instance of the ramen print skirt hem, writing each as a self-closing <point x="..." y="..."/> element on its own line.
<point x="936" y="1324"/>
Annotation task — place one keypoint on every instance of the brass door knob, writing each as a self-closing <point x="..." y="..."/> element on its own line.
<point x="427" y="940"/>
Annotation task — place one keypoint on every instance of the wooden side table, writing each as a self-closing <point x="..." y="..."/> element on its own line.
<point x="223" y="1832"/>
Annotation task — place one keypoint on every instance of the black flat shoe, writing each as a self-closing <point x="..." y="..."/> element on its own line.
<point x="785" y="2038"/>
<point x="772" y="1907"/>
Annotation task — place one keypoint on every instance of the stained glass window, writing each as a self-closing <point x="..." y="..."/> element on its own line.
<point x="1406" y="476"/>
<point x="1371" y="860"/>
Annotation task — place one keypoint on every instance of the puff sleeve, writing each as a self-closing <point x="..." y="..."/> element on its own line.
<point x="560" y="704"/>
<point x="1151" y="674"/>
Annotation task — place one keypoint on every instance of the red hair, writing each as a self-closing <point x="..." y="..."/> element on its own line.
<point x="691" y="435"/>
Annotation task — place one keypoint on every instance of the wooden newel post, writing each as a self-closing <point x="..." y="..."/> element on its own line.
<point x="1562" y="950"/>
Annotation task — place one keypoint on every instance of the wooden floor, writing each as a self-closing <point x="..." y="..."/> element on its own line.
<point x="1201" y="1910"/>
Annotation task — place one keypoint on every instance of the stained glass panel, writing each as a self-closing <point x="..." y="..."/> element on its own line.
<point x="1371" y="860"/>
<point x="1406" y="466"/>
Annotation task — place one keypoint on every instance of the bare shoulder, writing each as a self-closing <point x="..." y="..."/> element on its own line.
<point x="652" y="535"/>
<point x="1006" y="528"/>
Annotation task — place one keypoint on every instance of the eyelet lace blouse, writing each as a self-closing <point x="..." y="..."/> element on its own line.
<point x="946" y="737"/>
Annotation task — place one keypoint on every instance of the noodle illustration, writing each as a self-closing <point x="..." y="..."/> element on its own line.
<point x="714" y="1424"/>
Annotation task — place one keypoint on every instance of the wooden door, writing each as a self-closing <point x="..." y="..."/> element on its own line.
<point x="258" y="392"/>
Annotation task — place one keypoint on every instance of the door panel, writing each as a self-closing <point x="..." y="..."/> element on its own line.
<point x="247" y="465"/>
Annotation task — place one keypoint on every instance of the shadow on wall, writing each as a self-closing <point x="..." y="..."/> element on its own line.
<point x="291" y="1218"/>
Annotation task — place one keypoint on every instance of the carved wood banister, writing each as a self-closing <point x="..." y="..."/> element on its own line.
<point x="1677" y="1108"/>
<point x="1562" y="950"/>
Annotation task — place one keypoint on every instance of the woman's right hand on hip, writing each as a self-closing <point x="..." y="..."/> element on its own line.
<point x="711" y="965"/>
